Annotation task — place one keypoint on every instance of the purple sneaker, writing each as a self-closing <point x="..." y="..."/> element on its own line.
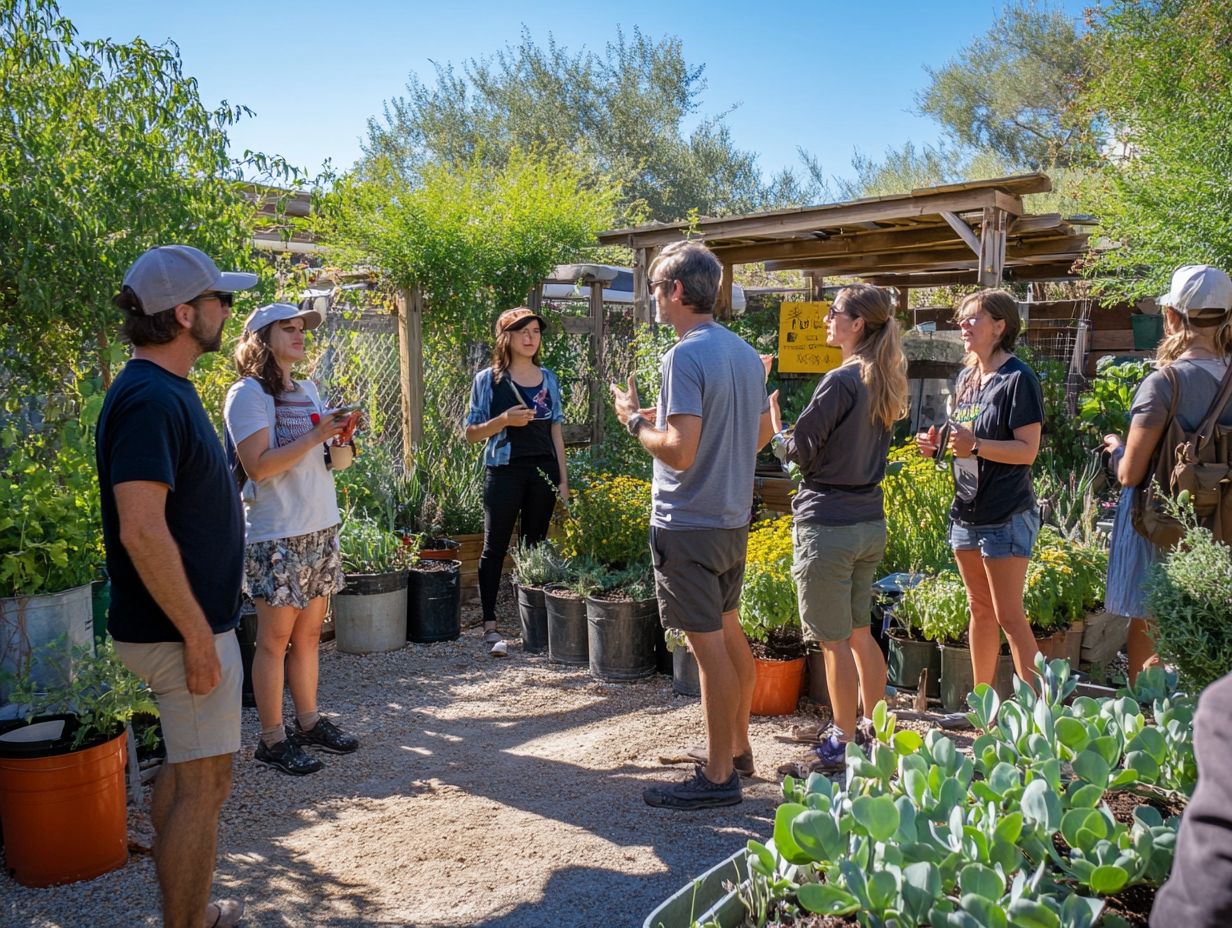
<point x="831" y="753"/>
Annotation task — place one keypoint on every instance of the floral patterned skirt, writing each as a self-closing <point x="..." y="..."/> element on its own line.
<point x="293" y="571"/>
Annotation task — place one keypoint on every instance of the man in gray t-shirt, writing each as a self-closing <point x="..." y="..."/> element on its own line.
<point x="712" y="416"/>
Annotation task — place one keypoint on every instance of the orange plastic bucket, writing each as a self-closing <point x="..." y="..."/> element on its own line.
<point x="777" y="686"/>
<point x="65" y="817"/>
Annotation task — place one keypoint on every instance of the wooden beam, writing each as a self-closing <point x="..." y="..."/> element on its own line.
<point x="953" y="277"/>
<point x="959" y="256"/>
<point x="410" y="356"/>
<point x="862" y="243"/>
<point x="812" y="218"/>
<point x="992" y="247"/>
<point x="963" y="230"/>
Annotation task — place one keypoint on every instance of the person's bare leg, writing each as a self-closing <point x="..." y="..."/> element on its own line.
<point x="1006" y="578"/>
<point x="187" y="836"/>
<point x="742" y="663"/>
<point x="720" y="700"/>
<point x="274" y="625"/>
<point x="842" y="683"/>
<point x="1141" y="648"/>
<point x="871" y="665"/>
<point x="303" y="661"/>
<point x="984" y="635"/>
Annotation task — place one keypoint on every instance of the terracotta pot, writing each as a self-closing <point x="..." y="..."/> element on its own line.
<point x="65" y="816"/>
<point x="1054" y="645"/>
<point x="777" y="687"/>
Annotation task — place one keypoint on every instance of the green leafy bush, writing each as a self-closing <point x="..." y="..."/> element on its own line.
<point x="768" y="599"/>
<point x="936" y="608"/>
<point x="538" y="565"/>
<point x="917" y="510"/>
<point x="1105" y="406"/>
<point x="368" y="548"/>
<point x="102" y="694"/>
<point x="1190" y="594"/>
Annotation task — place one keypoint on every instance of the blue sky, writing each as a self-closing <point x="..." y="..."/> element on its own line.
<point x="831" y="76"/>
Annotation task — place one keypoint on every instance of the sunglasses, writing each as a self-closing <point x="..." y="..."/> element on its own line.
<point x="662" y="280"/>
<point x="226" y="299"/>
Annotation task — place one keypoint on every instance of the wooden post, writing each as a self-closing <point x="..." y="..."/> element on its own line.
<point x="816" y="285"/>
<point x="641" y="291"/>
<point x="723" y="305"/>
<point x="598" y="402"/>
<point x="410" y="355"/>
<point x="992" y="247"/>
<point x="534" y="299"/>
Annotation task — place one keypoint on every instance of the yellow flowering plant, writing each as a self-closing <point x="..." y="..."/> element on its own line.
<point x="608" y="521"/>
<point x="768" y="598"/>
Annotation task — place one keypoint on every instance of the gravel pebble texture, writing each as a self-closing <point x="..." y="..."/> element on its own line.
<point x="502" y="792"/>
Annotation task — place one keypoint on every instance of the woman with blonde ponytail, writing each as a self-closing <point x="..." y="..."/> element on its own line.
<point x="840" y="443"/>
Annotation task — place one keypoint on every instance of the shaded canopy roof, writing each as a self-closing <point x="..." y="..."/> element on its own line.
<point x="977" y="231"/>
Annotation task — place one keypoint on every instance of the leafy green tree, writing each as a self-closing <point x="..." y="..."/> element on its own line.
<point x="1162" y="82"/>
<point x="105" y="150"/>
<point x="1010" y="90"/>
<point x="623" y="111"/>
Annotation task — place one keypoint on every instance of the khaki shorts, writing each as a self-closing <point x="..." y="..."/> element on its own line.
<point x="833" y="567"/>
<point x="193" y="726"/>
<point x="698" y="575"/>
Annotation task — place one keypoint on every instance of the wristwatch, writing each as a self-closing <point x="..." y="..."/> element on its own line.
<point x="975" y="448"/>
<point x="635" y="422"/>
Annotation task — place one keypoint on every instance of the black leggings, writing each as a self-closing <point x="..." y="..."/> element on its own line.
<point x="527" y="490"/>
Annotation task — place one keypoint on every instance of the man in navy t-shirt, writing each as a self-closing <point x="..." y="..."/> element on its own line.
<point x="173" y="528"/>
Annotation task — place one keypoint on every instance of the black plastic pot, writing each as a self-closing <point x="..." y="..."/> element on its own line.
<point x="534" y="616"/>
<point x="620" y="635"/>
<point x="568" y="635"/>
<point x="686" y="680"/>
<point x="907" y="657"/>
<point x="663" y="657"/>
<point x="434" y="604"/>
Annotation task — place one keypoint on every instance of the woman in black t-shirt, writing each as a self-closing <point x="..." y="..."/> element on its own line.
<point x="515" y="408"/>
<point x="994" y="432"/>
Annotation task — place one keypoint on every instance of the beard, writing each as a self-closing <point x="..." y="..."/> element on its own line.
<point x="201" y="334"/>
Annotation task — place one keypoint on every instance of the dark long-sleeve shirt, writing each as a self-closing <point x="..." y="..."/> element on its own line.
<point x="841" y="453"/>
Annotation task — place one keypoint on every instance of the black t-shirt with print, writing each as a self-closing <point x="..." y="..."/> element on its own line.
<point x="530" y="443"/>
<point x="989" y="492"/>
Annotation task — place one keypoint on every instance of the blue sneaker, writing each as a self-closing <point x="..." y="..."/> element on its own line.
<point x="831" y="753"/>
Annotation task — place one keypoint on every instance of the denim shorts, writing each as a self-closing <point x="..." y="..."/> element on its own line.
<point x="1015" y="538"/>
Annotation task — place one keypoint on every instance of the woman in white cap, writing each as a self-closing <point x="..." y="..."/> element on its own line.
<point x="292" y="561"/>
<point x="515" y="407"/>
<point x="1195" y="354"/>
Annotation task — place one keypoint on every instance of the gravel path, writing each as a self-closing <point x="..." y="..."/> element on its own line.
<point x="499" y="793"/>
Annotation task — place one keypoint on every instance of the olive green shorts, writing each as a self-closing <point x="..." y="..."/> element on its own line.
<point x="834" y="567"/>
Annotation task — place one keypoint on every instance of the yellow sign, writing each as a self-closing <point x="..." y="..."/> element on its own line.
<point x="802" y="339"/>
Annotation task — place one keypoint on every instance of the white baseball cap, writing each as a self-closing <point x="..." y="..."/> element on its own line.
<point x="1196" y="287"/>
<point x="270" y="313"/>
<point x="168" y="275"/>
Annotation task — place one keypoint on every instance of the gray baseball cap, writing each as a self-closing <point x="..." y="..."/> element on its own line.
<point x="1198" y="286"/>
<point x="168" y="275"/>
<point x="270" y="313"/>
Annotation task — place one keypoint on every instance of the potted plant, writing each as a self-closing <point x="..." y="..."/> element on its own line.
<point x="535" y="566"/>
<point x="910" y="651"/>
<point x="50" y="541"/>
<point x="938" y="607"/>
<point x="771" y="620"/>
<point x="62" y="790"/>
<point x="433" y="597"/>
<point x="565" y="604"/>
<point x="370" y="612"/>
<point x="622" y="619"/>
<point x="686" y="677"/>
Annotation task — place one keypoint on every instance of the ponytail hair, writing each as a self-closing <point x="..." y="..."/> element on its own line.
<point x="883" y="368"/>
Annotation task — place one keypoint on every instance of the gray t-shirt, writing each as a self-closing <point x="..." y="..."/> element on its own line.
<point x="1199" y="380"/>
<point x="712" y="373"/>
<point x="841" y="452"/>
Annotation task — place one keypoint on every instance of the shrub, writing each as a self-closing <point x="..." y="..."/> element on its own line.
<point x="609" y="521"/>
<point x="1190" y="594"/>
<point x="367" y="548"/>
<point x="917" y="508"/>
<point x="537" y="565"/>
<point x="936" y="608"/>
<point x="768" y="598"/>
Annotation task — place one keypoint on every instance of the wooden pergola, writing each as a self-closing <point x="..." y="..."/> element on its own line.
<point x="976" y="232"/>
